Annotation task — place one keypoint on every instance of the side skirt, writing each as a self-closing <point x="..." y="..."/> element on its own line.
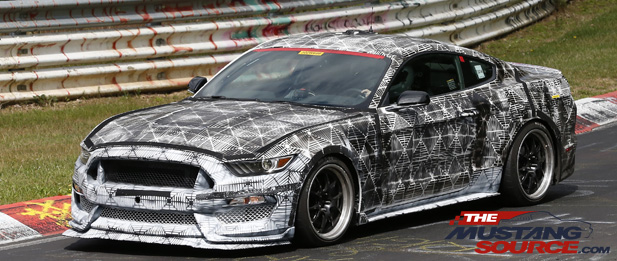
<point x="436" y="202"/>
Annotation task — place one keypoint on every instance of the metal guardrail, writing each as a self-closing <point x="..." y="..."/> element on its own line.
<point x="140" y="56"/>
<point x="31" y="15"/>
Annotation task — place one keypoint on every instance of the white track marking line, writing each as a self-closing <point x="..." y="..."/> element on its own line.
<point x="34" y="242"/>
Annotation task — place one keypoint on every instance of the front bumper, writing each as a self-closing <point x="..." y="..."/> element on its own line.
<point x="200" y="216"/>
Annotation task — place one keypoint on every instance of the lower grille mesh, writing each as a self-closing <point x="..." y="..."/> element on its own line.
<point x="245" y="214"/>
<point x="85" y="204"/>
<point x="149" y="217"/>
<point x="149" y="173"/>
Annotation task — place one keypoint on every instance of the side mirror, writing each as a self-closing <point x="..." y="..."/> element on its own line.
<point x="196" y="83"/>
<point x="413" y="98"/>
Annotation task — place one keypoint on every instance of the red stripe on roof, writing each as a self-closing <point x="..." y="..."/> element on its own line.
<point x="375" y="56"/>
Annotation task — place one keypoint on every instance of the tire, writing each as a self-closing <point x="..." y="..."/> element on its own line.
<point x="324" y="215"/>
<point x="530" y="166"/>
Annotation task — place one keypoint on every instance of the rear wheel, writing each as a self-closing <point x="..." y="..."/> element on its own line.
<point x="530" y="166"/>
<point x="326" y="204"/>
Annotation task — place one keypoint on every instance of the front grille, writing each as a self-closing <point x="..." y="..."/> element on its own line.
<point x="85" y="204"/>
<point x="149" y="217"/>
<point x="245" y="213"/>
<point x="150" y="173"/>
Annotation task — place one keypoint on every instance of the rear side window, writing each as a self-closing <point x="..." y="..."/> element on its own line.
<point x="476" y="72"/>
<point x="439" y="73"/>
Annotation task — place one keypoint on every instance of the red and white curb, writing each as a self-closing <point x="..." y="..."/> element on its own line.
<point x="35" y="218"/>
<point x="595" y="112"/>
<point x="50" y="216"/>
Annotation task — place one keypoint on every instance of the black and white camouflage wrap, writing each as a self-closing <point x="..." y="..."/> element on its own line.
<point x="404" y="160"/>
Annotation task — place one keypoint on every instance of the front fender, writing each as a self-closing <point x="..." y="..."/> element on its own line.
<point x="350" y="140"/>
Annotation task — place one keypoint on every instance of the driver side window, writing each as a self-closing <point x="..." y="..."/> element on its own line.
<point x="434" y="73"/>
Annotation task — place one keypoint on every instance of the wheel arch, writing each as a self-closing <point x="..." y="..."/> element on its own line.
<point x="554" y="134"/>
<point x="343" y="154"/>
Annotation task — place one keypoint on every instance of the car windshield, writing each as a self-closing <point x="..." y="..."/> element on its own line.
<point x="301" y="75"/>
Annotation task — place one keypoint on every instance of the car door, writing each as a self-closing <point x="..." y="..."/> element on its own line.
<point x="428" y="148"/>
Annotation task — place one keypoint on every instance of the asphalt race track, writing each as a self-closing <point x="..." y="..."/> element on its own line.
<point x="590" y="195"/>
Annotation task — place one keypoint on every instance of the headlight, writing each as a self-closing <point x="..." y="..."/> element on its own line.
<point x="258" y="167"/>
<point x="77" y="188"/>
<point x="84" y="156"/>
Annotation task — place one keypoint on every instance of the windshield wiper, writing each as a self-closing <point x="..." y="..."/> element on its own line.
<point x="314" y="105"/>
<point x="220" y="97"/>
<point x="215" y="97"/>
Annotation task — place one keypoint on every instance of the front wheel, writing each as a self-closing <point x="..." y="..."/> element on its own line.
<point x="326" y="204"/>
<point x="530" y="166"/>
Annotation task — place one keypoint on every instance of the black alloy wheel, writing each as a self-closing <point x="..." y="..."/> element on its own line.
<point x="326" y="204"/>
<point x="530" y="166"/>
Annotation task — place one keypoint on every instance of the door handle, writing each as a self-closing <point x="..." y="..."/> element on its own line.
<point x="468" y="113"/>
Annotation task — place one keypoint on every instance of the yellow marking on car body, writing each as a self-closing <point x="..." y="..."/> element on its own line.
<point x="311" y="53"/>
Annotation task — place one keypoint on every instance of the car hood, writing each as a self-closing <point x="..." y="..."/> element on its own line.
<point x="223" y="127"/>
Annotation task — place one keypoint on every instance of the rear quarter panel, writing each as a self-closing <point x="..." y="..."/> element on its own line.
<point x="552" y="102"/>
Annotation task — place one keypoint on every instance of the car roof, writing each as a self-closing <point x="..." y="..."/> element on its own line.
<point x="392" y="46"/>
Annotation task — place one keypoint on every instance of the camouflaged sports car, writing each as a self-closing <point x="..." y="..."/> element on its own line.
<point x="302" y="137"/>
